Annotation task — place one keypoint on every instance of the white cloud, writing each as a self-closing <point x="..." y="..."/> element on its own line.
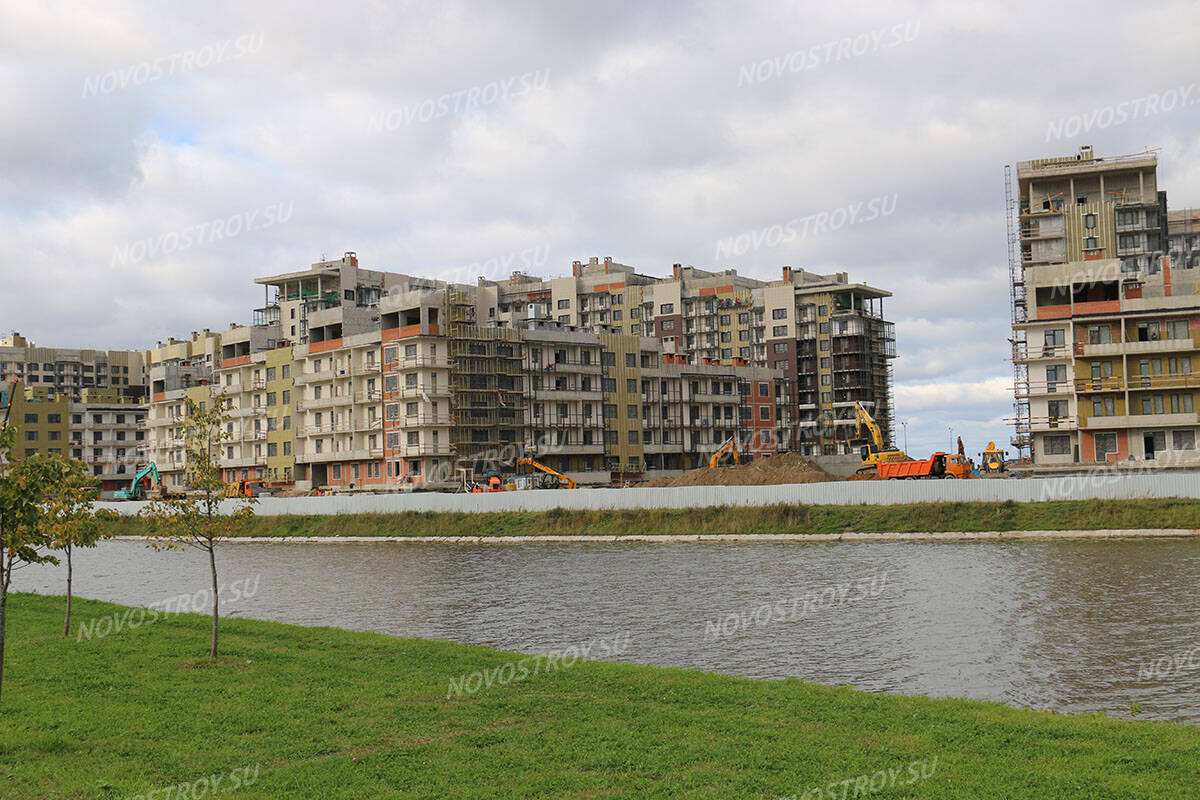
<point x="641" y="146"/>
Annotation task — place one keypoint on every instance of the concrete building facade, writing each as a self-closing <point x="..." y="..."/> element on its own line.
<point x="355" y="378"/>
<point x="1106" y="316"/>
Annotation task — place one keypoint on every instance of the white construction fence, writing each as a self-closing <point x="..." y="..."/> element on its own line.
<point x="1098" y="486"/>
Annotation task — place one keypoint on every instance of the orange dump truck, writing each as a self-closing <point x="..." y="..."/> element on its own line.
<point x="932" y="467"/>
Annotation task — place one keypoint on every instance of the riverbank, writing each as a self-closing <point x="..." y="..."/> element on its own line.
<point x="322" y="712"/>
<point x="998" y="519"/>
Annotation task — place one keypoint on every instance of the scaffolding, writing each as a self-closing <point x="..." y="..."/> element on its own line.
<point x="1022" y="438"/>
<point x="487" y="400"/>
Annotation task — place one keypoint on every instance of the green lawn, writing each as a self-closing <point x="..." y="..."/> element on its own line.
<point x="1007" y="516"/>
<point x="325" y="713"/>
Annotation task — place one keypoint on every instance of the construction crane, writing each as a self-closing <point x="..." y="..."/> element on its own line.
<point x="875" y="452"/>
<point x="136" y="490"/>
<point x="563" y="480"/>
<point x="730" y="448"/>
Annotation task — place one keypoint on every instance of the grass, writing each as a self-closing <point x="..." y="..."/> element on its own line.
<point x="326" y="713"/>
<point x="1005" y="516"/>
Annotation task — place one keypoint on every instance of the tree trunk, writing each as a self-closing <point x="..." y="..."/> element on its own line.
<point x="212" y="564"/>
<point x="5" y="574"/>
<point x="67" y="623"/>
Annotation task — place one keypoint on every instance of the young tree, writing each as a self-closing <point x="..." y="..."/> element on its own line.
<point x="71" y="517"/>
<point x="27" y="490"/>
<point x="195" y="519"/>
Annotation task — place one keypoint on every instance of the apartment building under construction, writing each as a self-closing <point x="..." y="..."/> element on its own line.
<point x="1106" y="315"/>
<point x="350" y="377"/>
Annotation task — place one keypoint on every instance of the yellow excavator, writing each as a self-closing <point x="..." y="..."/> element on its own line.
<point x="728" y="449"/>
<point x="875" y="452"/>
<point x="992" y="459"/>
<point x="564" y="481"/>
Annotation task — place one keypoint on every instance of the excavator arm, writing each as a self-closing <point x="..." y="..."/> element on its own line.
<point x="861" y="418"/>
<point x="566" y="480"/>
<point x="730" y="446"/>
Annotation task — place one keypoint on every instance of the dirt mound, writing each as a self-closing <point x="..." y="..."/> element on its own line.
<point x="783" y="468"/>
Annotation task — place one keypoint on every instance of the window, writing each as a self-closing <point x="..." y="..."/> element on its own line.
<point x="666" y="325"/>
<point x="779" y="330"/>
<point x="413" y="438"/>
<point x="1056" y="410"/>
<point x="1153" y="404"/>
<point x="778" y="313"/>
<point x="31" y="419"/>
<point x="1089" y="221"/>
<point x="1102" y="407"/>
<point x="1105" y="443"/>
<point x="631" y="359"/>
<point x="780" y="347"/>
<point x="392" y="411"/>
<point x="1183" y="440"/>
<point x="335" y="472"/>
<point x="287" y="369"/>
<point x="631" y="385"/>
<point x="1177" y="329"/>
<point x="1057" y="445"/>
<point x="1055" y="374"/>
<point x="1089" y="243"/>
<point x="1099" y="334"/>
<point x="666" y="308"/>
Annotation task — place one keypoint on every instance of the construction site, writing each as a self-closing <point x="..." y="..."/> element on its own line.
<point x="351" y="380"/>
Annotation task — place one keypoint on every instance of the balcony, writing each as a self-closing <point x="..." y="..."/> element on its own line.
<point x="428" y="391"/>
<point x="315" y="377"/>
<point x="1140" y="421"/>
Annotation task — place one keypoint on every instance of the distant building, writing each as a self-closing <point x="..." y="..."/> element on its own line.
<point x="355" y="377"/>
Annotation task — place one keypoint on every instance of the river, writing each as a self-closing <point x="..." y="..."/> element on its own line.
<point x="1075" y="626"/>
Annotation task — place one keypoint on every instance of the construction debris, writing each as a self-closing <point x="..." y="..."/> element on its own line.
<point x="783" y="468"/>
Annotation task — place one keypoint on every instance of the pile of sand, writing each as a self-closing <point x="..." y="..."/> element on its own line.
<point x="782" y="468"/>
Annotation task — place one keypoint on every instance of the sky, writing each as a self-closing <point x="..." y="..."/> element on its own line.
<point x="156" y="157"/>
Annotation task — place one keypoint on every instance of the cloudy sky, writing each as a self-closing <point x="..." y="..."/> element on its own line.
<point x="156" y="157"/>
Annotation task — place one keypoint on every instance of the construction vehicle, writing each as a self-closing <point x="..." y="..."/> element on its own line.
<point x="564" y="481"/>
<point x="249" y="488"/>
<point x="726" y="454"/>
<point x="993" y="460"/>
<point x="137" y="489"/>
<point x="932" y="467"/>
<point x="875" y="452"/>
<point x="959" y="466"/>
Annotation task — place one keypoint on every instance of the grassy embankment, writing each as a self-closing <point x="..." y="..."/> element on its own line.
<point x="325" y="713"/>
<point x="1006" y="516"/>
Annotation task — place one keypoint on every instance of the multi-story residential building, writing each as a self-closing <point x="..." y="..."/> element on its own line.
<point x="1105" y="323"/>
<point x="68" y="372"/>
<point x="177" y="370"/>
<point x="1183" y="238"/>
<point x="829" y="336"/>
<point x="358" y="378"/>
<point x="103" y="429"/>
